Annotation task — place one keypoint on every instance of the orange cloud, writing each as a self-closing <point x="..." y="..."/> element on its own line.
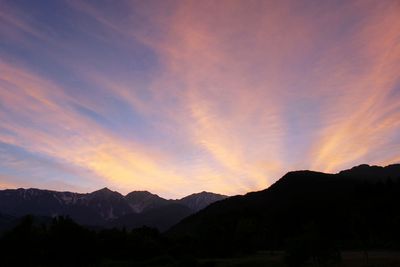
<point x="364" y="117"/>
<point x="242" y="93"/>
<point x="236" y="116"/>
<point x="67" y="135"/>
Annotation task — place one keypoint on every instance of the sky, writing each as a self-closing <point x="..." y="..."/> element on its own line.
<point x="177" y="97"/>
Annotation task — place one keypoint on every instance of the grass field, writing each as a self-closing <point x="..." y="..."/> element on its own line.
<point x="348" y="259"/>
<point x="276" y="259"/>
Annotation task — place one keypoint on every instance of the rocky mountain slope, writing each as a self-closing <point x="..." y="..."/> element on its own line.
<point x="104" y="207"/>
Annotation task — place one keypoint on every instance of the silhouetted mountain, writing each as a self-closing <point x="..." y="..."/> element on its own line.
<point x="108" y="204"/>
<point x="92" y="209"/>
<point x="102" y="207"/>
<point x="162" y="217"/>
<point x="352" y="209"/>
<point x="367" y="172"/>
<point x="140" y="201"/>
<point x="201" y="200"/>
<point x="20" y="202"/>
<point x="312" y="216"/>
<point x="154" y="211"/>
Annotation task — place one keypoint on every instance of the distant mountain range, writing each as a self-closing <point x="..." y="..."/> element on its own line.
<point x="311" y="216"/>
<point x="361" y="197"/>
<point x="103" y="207"/>
<point x="353" y="209"/>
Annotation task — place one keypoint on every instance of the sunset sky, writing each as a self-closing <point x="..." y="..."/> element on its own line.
<point x="177" y="97"/>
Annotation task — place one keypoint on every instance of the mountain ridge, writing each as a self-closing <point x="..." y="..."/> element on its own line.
<point x="99" y="208"/>
<point x="340" y="207"/>
<point x="105" y="207"/>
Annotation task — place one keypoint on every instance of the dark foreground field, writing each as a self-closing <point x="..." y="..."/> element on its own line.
<point x="65" y="243"/>
<point x="275" y="259"/>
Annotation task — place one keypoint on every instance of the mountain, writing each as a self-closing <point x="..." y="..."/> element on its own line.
<point x="108" y="204"/>
<point x="154" y="211"/>
<point x="366" y="172"/>
<point x="354" y="209"/>
<point x="103" y="207"/>
<point x="201" y="200"/>
<point x="162" y="217"/>
<point x="91" y="209"/>
<point x="140" y="201"/>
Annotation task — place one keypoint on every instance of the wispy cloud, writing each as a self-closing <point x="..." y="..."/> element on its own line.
<point x="36" y="115"/>
<point x="176" y="97"/>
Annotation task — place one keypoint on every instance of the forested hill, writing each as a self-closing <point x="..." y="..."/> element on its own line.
<point x="353" y="209"/>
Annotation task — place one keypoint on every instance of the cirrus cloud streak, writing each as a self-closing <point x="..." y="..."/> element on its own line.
<point x="178" y="97"/>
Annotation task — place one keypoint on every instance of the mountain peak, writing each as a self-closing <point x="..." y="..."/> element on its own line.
<point x="300" y="175"/>
<point x="141" y="193"/>
<point x="105" y="189"/>
<point x="202" y="193"/>
<point x="201" y="200"/>
<point x="373" y="173"/>
<point x="141" y="200"/>
<point x="361" y="167"/>
<point x="105" y="192"/>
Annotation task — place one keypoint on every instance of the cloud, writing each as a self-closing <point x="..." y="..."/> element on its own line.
<point x="364" y="117"/>
<point x="44" y="125"/>
<point x="224" y="96"/>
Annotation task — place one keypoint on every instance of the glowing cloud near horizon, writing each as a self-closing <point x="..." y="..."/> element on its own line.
<point x="177" y="97"/>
